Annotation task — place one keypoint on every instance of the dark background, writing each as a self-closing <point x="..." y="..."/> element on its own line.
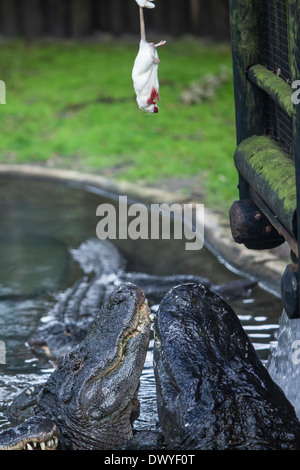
<point x="85" y="18"/>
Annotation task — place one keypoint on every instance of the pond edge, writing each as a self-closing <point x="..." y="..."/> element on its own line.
<point x="266" y="266"/>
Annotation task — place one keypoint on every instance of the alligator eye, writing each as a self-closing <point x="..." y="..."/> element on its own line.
<point x="77" y="366"/>
<point x="67" y="331"/>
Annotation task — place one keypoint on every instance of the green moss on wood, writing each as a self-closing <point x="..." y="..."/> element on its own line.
<point x="276" y="87"/>
<point x="271" y="173"/>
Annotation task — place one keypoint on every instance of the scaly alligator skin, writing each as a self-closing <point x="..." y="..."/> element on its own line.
<point x="77" y="307"/>
<point x="104" y="269"/>
<point x="213" y="392"/>
<point x="90" y="400"/>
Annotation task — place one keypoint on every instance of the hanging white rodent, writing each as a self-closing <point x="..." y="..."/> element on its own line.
<point x="145" y="69"/>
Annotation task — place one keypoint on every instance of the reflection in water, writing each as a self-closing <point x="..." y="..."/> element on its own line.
<point x="29" y="269"/>
<point x="40" y="223"/>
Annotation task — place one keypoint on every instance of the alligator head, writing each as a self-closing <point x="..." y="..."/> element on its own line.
<point x="213" y="392"/>
<point x="91" y="396"/>
<point x="36" y="433"/>
<point x="56" y="340"/>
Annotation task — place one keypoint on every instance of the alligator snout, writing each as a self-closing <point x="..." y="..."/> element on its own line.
<point x="91" y="395"/>
<point x="36" y="433"/>
<point x="213" y="392"/>
<point x="56" y="340"/>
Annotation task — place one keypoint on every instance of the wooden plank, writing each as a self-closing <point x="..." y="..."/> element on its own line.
<point x="170" y="17"/>
<point x="116" y="19"/>
<point x="177" y="17"/>
<point x="206" y="19"/>
<point x="81" y="18"/>
<point x="56" y="17"/>
<point x="220" y="20"/>
<point x="78" y="18"/>
<point x="33" y="24"/>
<point x="195" y="16"/>
<point x="132" y="19"/>
<point x="8" y="18"/>
<point x="102" y="12"/>
<point x="294" y="55"/>
<point x="157" y="20"/>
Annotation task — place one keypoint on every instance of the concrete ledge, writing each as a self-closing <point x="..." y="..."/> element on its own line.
<point x="264" y="266"/>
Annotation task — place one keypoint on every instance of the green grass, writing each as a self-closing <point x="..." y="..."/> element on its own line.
<point x="72" y="105"/>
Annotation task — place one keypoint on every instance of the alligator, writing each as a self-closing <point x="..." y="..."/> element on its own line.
<point x="213" y="392"/>
<point x="90" y="400"/>
<point x="104" y="268"/>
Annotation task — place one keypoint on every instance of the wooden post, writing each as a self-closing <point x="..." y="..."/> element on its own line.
<point x="8" y="18"/>
<point x="56" y="11"/>
<point x="158" y="20"/>
<point x="80" y="18"/>
<point x="294" y="55"/>
<point x="32" y="19"/>
<point x="116" y="16"/>
<point x="220" y="20"/>
<point x="250" y="102"/>
<point x="103" y="15"/>
<point x="177" y="17"/>
<point x="132" y="18"/>
<point x="195" y="11"/>
<point x="250" y="226"/>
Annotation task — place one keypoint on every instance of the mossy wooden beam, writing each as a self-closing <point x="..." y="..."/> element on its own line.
<point x="250" y="101"/>
<point x="278" y="89"/>
<point x="271" y="174"/>
<point x="294" y="56"/>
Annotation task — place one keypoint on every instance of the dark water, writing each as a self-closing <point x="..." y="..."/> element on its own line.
<point x="40" y="222"/>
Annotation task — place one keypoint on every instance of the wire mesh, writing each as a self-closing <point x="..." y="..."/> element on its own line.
<point x="274" y="30"/>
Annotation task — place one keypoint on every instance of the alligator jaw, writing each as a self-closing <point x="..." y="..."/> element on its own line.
<point x="89" y="399"/>
<point x="36" y="433"/>
<point x="91" y="393"/>
<point x="213" y="392"/>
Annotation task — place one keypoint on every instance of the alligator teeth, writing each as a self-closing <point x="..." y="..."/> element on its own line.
<point x="51" y="444"/>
